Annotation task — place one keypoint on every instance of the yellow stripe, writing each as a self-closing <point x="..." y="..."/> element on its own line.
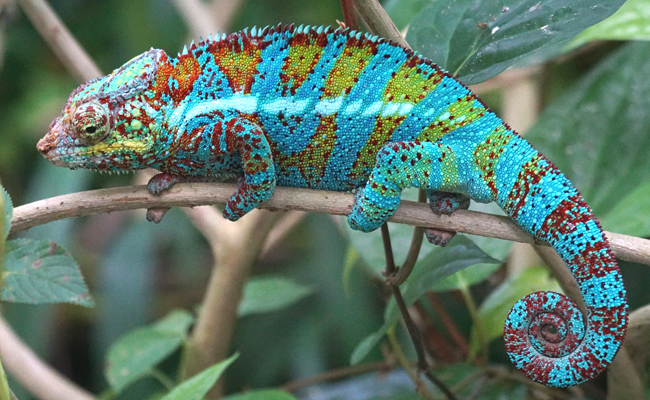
<point x="105" y="148"/>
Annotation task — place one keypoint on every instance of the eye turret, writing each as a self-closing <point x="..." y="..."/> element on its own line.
<point x="91" y="121"/>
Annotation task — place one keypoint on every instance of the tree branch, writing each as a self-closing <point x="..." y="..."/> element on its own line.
<point x="92" y="202"/>
<point x="35" y="375"/>
<point x="64" y="45"/>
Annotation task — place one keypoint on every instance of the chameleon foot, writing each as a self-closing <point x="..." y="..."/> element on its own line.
<point x="444" y="203"/>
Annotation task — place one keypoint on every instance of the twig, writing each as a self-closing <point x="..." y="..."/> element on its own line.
<point x="348" y="14"/>
<point x="452" y="328"/>
<point x="374" y="15"/>
<point x="37" y="377"/>
<point x="414" y="250"/>
<point x="336" y="374"/>
<point x="223" y="11"/>
<point x="397" y="352"/>
<point x="414" y="333"/>
<point x="281" y="229"/>
<point x="64" y="45"/>
<point x="92" y="202"/>
<point x="197" y="17"/>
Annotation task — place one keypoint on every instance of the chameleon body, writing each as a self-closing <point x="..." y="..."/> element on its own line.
<point x="342" y="110"/>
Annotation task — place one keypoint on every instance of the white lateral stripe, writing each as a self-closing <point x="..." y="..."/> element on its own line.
<point x="288" y="105"/>
<point x="246" y="104"/>
<point x="373" y="109"/>
<point x="329" y="106"/>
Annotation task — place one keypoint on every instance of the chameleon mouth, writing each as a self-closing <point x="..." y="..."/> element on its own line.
<point x="92" y="156"/>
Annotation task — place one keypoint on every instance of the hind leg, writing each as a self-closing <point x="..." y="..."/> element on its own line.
<point x="426" y="165"/>
<point x="444" y="203"/>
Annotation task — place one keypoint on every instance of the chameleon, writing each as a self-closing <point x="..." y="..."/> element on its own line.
<point x="342" y="110"/>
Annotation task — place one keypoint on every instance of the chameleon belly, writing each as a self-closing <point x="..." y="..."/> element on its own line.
<point x="340" y="110"/>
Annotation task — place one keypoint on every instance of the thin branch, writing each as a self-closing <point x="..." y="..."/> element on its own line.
<point x="281" y="229"/>
<point x="223" y="11"/>
<point x="414" y="333"/>
<point x="35" y="375"/>
<point x="414" y="249"/>
<point x="336" y="374"/>
<point x="197" y="16"/>
<point x="64" y="45"/>
<point x="348" y="14"/>
<point x="391" y="268"/>
<point x="92" y="202"/>
<point x="374" y="15"/>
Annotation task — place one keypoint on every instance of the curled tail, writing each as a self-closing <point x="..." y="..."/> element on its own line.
<point x="545" y="335"/>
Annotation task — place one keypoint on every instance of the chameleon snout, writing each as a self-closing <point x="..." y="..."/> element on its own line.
<point x="48" y="142"/>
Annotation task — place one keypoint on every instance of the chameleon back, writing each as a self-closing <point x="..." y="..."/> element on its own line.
<point x="326" y="101"/>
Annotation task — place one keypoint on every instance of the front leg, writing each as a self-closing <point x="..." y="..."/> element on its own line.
<point x="427" y="165"/>
<point x="256" y="186"/>
<point x="230" y="137"/>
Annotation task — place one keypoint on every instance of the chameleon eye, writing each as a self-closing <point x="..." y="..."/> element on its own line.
<point x="91" y="121"/>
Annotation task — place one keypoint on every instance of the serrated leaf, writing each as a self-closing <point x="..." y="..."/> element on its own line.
<point x="597" y="134"/>
<point x="6" y="208"/>
<point x="267" y="294"/>
<point x="196" y="387"/>
<point x="477" y="39"/>
<point x="134" y="355"/>
<point x="268" y="394"/>
<point x="495" y="307"/>
<point x="458" y="255"/>
<point x="630" y="22"/>
<point x="631" y="215"/>
<point x="40" y="271"/>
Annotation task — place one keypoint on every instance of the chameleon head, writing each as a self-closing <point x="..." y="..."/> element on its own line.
<point x="108" y="123"/>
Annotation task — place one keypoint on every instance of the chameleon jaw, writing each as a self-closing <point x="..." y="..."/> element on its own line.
<point x="64" y="151"/>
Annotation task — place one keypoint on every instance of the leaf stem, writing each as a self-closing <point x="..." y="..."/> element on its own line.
<point x="476" y="320"/>
<point x="401" y="359"/>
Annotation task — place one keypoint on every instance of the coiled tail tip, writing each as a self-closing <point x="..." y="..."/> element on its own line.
<point x="546" y="339"/>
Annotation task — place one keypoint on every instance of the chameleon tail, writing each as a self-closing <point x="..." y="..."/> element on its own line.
<point x="545" y="335"/>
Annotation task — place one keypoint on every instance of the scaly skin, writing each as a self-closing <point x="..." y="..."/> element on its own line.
<point x="340" y="110"/>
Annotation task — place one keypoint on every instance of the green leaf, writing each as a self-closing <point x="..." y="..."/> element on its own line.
<point x="597" y="133"/>
<point x="402" y="12"/>
<point x="196" y="387"/>
<point x="630" y="22"/>
<point x="266" y="294"/>
<point x="367" y="344"/>
<point x="631" y="215"/>
<point x="495" y="307"/>
<point x="429" y="274"/>
<point x="5" y="393"/>
<point x="6" y="208"/>
<point x="351" y="258"/>
<point x="134" y="355"/>
<point x="477" y="39"/>
<point x="267" y="394"/>
<point x="40" y="271"/>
